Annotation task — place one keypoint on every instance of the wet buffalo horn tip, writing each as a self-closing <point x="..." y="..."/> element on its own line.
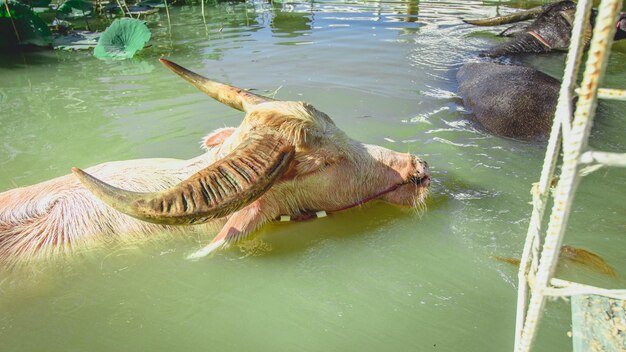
<point x="514" y="17"/>
<point x="232" y="96"/>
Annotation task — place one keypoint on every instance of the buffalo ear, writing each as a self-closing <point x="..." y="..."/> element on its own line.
<point x="621" y="28"/>
<point x="217" y="137"/>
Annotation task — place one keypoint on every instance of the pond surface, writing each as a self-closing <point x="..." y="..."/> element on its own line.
<point x="375" y="278"/>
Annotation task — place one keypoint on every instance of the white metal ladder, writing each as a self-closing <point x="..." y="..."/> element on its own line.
<point x="536" y="270"/>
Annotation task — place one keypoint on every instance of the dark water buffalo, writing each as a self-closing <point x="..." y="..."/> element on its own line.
<point x="551" y="30"/>
<point x="510" y="101"/>
<point x="514" y="101"/>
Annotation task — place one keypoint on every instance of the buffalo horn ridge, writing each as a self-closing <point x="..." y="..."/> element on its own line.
<point x="215" y="191"/>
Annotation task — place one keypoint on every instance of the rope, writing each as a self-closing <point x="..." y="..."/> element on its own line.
<point x="322" y="213"/>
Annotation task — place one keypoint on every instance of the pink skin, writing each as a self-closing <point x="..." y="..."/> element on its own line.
<point x="389" y="169"/>
<point x="60" y="215"/>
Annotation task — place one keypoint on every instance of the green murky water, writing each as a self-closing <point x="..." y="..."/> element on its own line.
<point x="371" y="279"/>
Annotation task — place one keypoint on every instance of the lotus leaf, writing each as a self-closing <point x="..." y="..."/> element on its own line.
<point x="19" y="25"/>
<point x="122" y="39"/>
<point x="75" y="9"/>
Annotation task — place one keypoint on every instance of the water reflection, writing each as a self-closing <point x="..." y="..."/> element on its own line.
<point x="289" y="23"/>
<point x="412" y="11"/>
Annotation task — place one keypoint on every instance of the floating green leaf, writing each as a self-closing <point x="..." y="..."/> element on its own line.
<point x="76" y="40"/>
<point x="142" y="10"/>
<point x="20" y="26"/>
<point x="122" y="39"/>
<point x="75" y="9"/>
<point x="152" y="3"/>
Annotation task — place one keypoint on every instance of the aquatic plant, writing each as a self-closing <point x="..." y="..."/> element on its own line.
<point x="122" y="39"/>
<point x="152" y="3"/>
<point x="38" y="3"/>
<point x="141" y="10"/>
<point x="76" y="40"/>
<point x="575" y="255"/>
<point x="19" y="25"/>
<point x="71" y="9"/>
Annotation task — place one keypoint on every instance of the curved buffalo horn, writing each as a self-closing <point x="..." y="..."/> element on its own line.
<point x="234" y="97"/>
<point x="514" y="17"/>
<point x="216" y="191"/>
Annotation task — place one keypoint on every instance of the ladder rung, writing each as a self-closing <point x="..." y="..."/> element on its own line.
<point x="608" y="93"/>
<point x="567" y="288"/>
<point x="604" y="158"/>
<point x="613" y="94"/>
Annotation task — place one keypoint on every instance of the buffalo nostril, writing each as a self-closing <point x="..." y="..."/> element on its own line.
<point x="423" y="180"/>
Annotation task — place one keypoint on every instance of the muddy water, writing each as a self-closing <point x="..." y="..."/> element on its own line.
<point x="370" y="279"/>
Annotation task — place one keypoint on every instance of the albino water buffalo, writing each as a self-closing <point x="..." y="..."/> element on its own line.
<point x="551" y="29"/>
<point x="286" y="158"/>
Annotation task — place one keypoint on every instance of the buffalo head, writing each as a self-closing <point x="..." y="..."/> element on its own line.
<point x="286" y="158"/>
<point x="551" y="29"/>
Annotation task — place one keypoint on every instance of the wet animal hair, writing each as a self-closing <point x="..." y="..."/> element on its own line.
<point x="510" y="101"/>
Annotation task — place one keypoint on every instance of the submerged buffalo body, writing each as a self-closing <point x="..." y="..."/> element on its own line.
<point x="285" y="158"/>
<point x="510" y="101"/>
<point x="551" y="29"/>
<point x="514" y="101"/>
